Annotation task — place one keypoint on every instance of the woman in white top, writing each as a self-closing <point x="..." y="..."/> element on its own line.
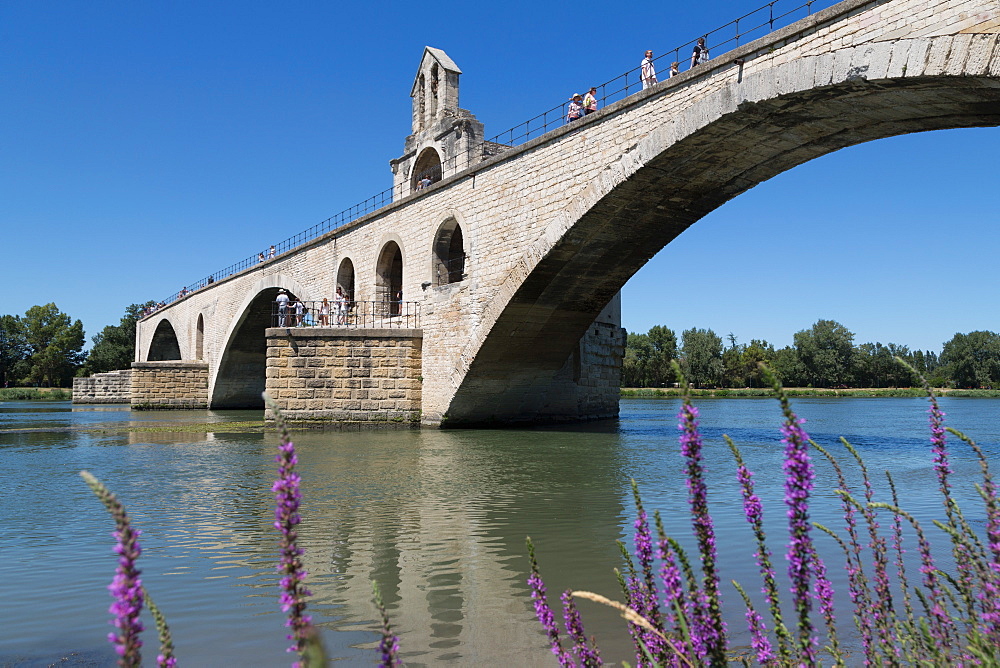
<point x="341" y="303"/>
<point x="324" y="313"/>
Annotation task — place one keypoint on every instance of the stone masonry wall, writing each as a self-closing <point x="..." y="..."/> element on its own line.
<point x="171" y="384"/>
<point x="113" y="387"/>
<point x="345" y="375"/>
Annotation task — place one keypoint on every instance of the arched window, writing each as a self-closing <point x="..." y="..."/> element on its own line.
<point x="435" y="82"/>
<point x="199" y="339"/>
<point x="345" y="278"/>
<point x="421" y="104"/>
<point x="426" y="170"/>
<point x="389" y="279"/>
<point x="449" y="253"/>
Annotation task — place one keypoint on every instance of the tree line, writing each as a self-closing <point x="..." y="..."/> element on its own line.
<point x="824" y="355"/>
<point x="44" y="347"/>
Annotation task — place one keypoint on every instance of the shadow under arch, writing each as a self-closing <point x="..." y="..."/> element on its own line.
<point x="164" y="345"/>
<point x="241" y="377"/>
<point x="617" y="225"/>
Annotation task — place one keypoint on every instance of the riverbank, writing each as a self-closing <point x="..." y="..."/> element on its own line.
<point x="752" y="392"/>
<point x="35" y="394"/>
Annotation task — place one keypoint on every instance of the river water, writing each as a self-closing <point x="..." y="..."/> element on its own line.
<point x="438" y="518"/>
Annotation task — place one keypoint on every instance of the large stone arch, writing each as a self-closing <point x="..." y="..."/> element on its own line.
<point x="165" y="345"/>
<point x="239" y="377"/>
<point x="740" y="134"/>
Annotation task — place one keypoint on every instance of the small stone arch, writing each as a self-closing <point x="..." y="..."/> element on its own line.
<point x="448" y="258"/>
<point x="199" y="338"/>
<point x="428" y="164"/>
<point x="164" y="345"/>
<point x="345" y="278"/>
<point x="389" y="278"/>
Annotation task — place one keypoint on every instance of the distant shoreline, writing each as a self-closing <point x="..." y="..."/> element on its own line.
<point x="758" y="392"/>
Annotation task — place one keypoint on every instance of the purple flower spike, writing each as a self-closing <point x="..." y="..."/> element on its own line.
<point x="588" y="657"/>
<point x="543" y="612"/>
<point x="126" y="587"/>
<point x="708" y="629"/>
<point x="799" y="477"/>
<point x="287" y="498"/>
<point x="389" y="644"/>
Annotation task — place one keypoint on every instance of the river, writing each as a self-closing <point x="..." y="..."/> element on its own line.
<point x="438" y="518"/>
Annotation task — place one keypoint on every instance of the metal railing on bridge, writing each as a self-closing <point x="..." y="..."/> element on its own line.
<point x="752" y="25"/>
<point x="348" y="314"/>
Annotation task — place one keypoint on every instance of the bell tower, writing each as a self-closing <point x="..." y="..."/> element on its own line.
<point x="445" y="139"/>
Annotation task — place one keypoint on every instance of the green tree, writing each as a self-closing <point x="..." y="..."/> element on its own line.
<point x="635" y="367"/>
<point x="973" y="360"/>
<point x="647" y="358"/>
<point x="825" y="352"/>
<point x="788" y="367"/>
<point x="13" y="350"/>
<point x="55" y="343"/>
<point x="753" y="354"/>
<point x="701" y="357"/>
<point x="114" y="346"/>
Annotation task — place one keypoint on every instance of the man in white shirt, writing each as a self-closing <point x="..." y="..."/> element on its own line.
<point x="282" y="300"/>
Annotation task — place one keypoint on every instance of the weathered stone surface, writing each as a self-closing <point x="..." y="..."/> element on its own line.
<point x="305" y="398"/>
<point x="113" y="387"/>
<point x="552" y="229"/>
<point x="169" y="384"/>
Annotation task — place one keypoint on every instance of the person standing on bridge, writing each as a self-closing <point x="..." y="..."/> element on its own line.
<point x="700" y="53"/>
<point x="300" y="314"/>
<point x="590" y="101"/>
<point x="324" y="313"/>
<point x="282" y="300"/>
<point x="648" y="71"/>
<point x="270" y="253"/>
<point x="575" y="110"/>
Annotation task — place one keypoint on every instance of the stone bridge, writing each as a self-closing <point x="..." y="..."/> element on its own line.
<point x="546" y="233"/>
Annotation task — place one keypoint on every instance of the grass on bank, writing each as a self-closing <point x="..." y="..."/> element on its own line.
<point x="675" y="393"/>
<point x="35" y="394"/>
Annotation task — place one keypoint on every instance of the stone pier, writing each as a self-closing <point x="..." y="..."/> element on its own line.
<point x="333" y="374"/>
<point x="169" y="384"/>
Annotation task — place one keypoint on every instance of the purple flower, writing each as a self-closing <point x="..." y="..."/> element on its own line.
<point x="708" y="630"/>
<point x="588" y="656"/>
<point x="389" y="644"/>
<point x="543" y="612"/>
<point x="799" y="477"/>
<point x="287" y="498"/>
<point x="126" y="586"/>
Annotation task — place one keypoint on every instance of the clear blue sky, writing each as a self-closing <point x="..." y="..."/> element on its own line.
<point x="144" y="145"/>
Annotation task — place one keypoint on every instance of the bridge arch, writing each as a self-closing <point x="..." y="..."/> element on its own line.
<point x="739" y="133"/>
<point x="448" y="256"/>
<point x="165" y="345"/>
<point x="239" y="377"/>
